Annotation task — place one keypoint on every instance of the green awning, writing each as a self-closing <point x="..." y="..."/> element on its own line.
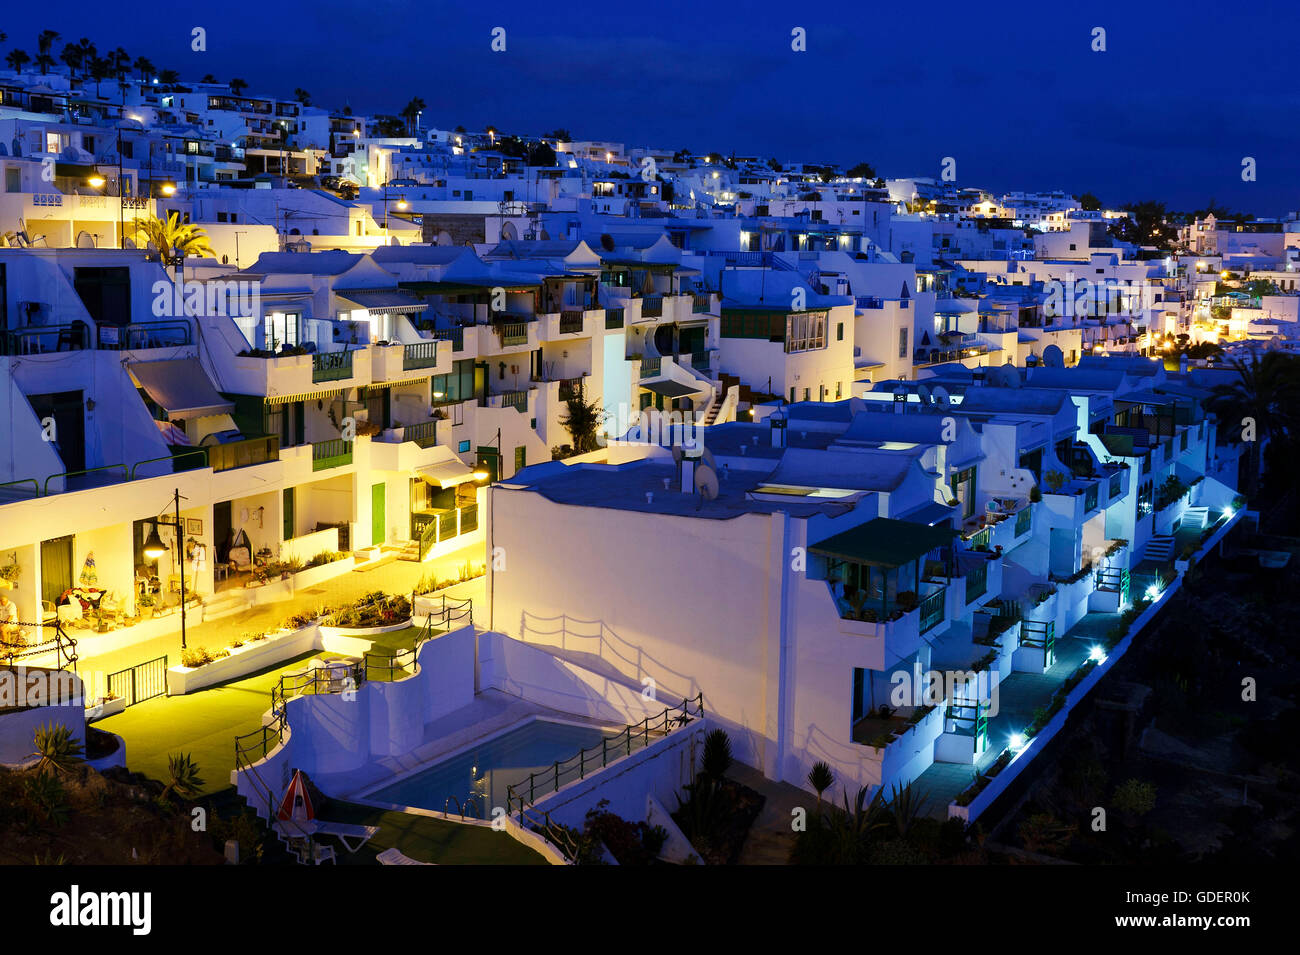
<point x="671" y="389"/>
<point x="884" y="542"/>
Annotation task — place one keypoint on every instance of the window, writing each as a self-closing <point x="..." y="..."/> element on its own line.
<point x="463" y="447"/>
<point x="839" y="332"/>
<point x="805" y="331"/>
<point x="280" y="328"/>
<point x="902" y="343"/>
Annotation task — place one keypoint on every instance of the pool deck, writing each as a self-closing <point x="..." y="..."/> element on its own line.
<point x="490" y="713"/>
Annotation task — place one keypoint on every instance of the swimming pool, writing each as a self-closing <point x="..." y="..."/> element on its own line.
<point x="482" y="772"/>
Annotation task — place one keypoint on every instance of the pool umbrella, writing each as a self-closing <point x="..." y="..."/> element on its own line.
<point x="296" y="804"/>
<point x="88" y="576"/>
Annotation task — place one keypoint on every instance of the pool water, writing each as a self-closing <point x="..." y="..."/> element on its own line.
<point x="481" y="773"/>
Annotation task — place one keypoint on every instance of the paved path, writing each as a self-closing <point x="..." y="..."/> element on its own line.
<point x="770" y="838"/>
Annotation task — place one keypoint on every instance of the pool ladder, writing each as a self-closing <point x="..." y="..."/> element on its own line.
<point x="461" y="808"/>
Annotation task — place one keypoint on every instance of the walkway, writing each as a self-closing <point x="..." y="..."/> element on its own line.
<point x="771" y="838"/>
<point x="1019" y="697"/>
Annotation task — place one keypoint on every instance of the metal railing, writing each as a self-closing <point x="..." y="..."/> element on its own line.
<point x="1024" y="520"/>
<point x="200" y="452"/>
<point x="454" y="335"/>
<point x="424" y="433"/>
<point x="700" y="304"/>
<point x="139" y="336"/>
<point x="638" y="736"/>
<point x="977" y="581"/>
<point x="932" y="610"/>
<point x="420" y="355"/>
<point x="571" y="322"/>
<point x="331" y="365"/>
<point x="244" y="453"/>
<point x="14" y="647"/>
<point x="1039" y="635"/>
<point x="47" y="338"/>
<point x="570" y="388"/>
<point x="613" y="318"/>
<point x="650" y="367"/>
<point x="652" y="306"/>
<point x="514" y="399"/>
<point x="126" y="475"/>
<point x="333" y="453"/>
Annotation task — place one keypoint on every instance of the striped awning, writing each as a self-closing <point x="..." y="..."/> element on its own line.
<point x="304" y="396"/>
<point x="445" y="474"/>
<point x="383" y="300"/>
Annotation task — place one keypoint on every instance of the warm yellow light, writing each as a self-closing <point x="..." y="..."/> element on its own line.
<point x="401" y="203"/>
<point x="1223" y="274"/>
<point x="168" y="188"/>
<point x="480" y="475"/>
<point x="96" y="182"/>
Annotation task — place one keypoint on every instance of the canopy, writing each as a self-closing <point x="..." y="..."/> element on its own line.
<point x="445" y="474"/>
<point x="884" y="542"/>
<point x="181" y="387"/>
<point x="671" y="389"/>
<point x="296" y="804"/>
<point x="384" y="300"/>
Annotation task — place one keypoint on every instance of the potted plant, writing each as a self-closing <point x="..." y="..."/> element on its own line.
<point x="11" y="571"/>
<point x="146" y="604"/>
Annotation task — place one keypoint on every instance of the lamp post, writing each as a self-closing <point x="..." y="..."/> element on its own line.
<point x="155" y="548"/>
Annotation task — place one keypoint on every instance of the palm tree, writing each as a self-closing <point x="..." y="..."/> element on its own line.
<point x="182" y="776"/>
<point x="45" y="43"/>
<point x="238" y="86"/>
<point x="88" y="54"/>
<point x="17" y="59"/>
<point x="72" y="57"/>
<point x="583" y="421"/>
<point x="173" y="240"/>
<point x="101" y="68"/>
<point x="1261" y="405"/>
<point x="44" y="61"/>
<point x="302" y="96"/>
<point x="121" y="61"/>
<point x="208" y="78"/>
<point x="56" y="748"/>
<point x="821" y="778"/>
<point x="411" y="111"/>
<point x="168" y="78"/>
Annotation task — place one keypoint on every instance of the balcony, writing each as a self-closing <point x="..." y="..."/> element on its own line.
<point x="141" y="336"/>
<point x="331" y="365"/>
<point x="571" y="322"/>
<point x="454" y="335"/>
<point x="424" y="434"/>
<point x="570" y="388"/>
<point x="650" y="367"/>
<point x="244" y="453"/>
<point x="334" y="453"/>
<point x="512" y="333"/>
<point x="652" y="306"/>
<point x="430" y="528"/>
<point x="700" y="304"/>
<point x="509" y="399"/>
<point x="613" y="318"/>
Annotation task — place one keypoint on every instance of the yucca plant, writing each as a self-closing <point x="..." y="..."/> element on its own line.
<point x="172" y="239"/>
<point x="56" y="748"/>
<point x="182" y="776"/>
<point x="717" y="755"/>
<point x="821" y="778"/>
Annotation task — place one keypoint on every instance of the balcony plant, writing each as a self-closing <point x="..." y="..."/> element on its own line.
<point x="11" y="571"/>
<point x="908" y="601"/>
<point x="1055" y="481"/>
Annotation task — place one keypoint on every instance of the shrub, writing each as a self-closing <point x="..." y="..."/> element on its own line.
<point x="717" y="755"/>
<point x="326" y="557"/>
<point x="56" y="747"/>
<point x="629" y="843"/>
<point x="1135" y="797"/>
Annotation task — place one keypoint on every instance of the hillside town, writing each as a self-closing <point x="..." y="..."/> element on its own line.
<point x="404" y="492"/>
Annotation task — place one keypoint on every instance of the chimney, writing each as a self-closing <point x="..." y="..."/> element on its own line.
<point x="691" y="454"/>
<point x="778" y="423"/>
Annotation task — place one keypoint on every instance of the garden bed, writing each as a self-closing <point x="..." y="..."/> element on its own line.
<point x="718" y="833"/>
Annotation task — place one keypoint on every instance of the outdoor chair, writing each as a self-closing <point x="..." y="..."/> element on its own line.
<point x="240" y="559"/>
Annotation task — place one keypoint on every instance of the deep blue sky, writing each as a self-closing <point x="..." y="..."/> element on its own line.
<point x="1011" y="90"/>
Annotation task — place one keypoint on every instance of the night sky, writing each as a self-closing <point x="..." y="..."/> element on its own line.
<point x="1012" y="90"/>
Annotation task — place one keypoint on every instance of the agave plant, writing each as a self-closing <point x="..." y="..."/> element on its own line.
<point x="821" y="778"/>
<point x="182" y="776"/>
<point x="906" y="807"/>
<point x="717" y="755"/>
<point x="172" y="239"/>
<point x="47" y="792"/>
<point x="56" y="748"/>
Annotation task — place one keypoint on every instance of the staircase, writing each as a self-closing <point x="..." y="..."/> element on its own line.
<point x="224" y="604"/>
<point x="1159" y="549"/>
<point x="370" y="558"/>
<point x="1196" y="517"/>
<point x="711" y="415"/>
<point x="410" y="550"/>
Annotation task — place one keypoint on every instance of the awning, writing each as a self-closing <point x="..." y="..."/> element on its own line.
<point x="884" y="542"/>
<point x="671" y="389"/>
<point x="181" y="387"/>
<point x="328" y="394"/>
<point x="445" y="474"/>
<point x="384" y="300"/>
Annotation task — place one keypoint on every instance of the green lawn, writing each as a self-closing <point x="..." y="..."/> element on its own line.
<point x="427" y="839"/>
<point x="203" y="724"/>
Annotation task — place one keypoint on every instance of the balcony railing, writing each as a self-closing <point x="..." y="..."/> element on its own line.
<point x="434" y="527"/>
<point x="454" y="335"/>
<point x="977" y="581"/>
<point x="245" y="453"/>
<point x="514" y="399"/>
<point x="1090" y="498"/>
<point x="47" y="338"/>
<point x="571" y="323"/>
<point x="700" y="304"/>
<point x="425" y="433"/>
<point x="652" y="306"/>
<point x="649" y="367"/>
<point x="932" y="609"/>
<point x="570" y="388"/>
<point x="420" y="355"/>
<point x="613" y="318"/>
<point x="513" y="333"/>
<point x="1116" y="485"/>
<point x="331" y="365"/>
<point x="702" y="361"/>
<point x="334" y="453"/>
<point x="1024" y="521"/>
<point x="158" y="335"/>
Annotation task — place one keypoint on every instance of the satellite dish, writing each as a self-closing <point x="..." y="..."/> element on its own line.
<point x="706" y="459"/>
<point x="509" y="233"/>
<point x="444" y="238"/>
<point x="941" y="396"/>
<point x="85" y="240"/>
<point x="706" y="482"/>
<point x="1052" y="357"/>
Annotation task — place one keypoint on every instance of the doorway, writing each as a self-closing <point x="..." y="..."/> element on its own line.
<point x="56" y="568"/>
<point x="378" y="521"/>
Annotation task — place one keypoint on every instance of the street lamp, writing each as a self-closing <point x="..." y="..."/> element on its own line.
<point x="155" y="548"/>
<point x="168" y="188"/>
<point x="96" y="182"/>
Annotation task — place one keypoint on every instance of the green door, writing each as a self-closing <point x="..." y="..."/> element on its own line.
<point x="377" y="522"/>
<point x="289" y="521"/>
<point x="56" y="568"/>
